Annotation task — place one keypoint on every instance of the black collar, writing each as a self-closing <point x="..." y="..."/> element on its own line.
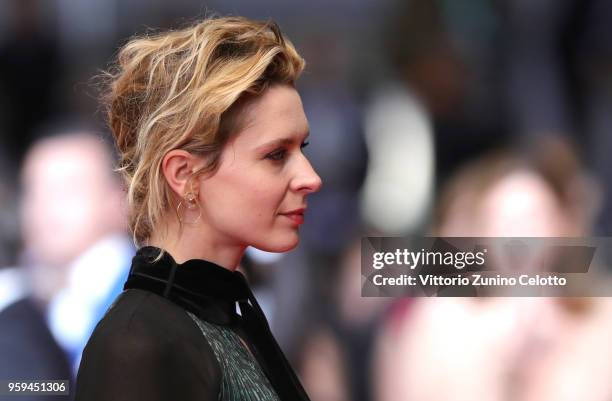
<point x="211" y="293"/>
<point x="204" y="288"/>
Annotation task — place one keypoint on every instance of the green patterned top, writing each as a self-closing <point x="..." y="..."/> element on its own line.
<point x="242" y="377"/>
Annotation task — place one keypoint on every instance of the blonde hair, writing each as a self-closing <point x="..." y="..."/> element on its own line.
<point x="181" y="90"/>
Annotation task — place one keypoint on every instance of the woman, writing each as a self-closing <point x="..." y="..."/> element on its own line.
<point x="210" y="129"/>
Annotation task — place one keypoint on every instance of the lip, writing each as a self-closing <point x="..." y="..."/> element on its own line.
<point x="296" y="211"/>
<point x="296" y="216"/>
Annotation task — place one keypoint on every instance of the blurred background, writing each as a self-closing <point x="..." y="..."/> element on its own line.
<point x="428" y="117"/>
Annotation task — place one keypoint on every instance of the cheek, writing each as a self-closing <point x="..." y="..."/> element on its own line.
<point x="239" y="197"/>
<point x="246" y="207"/>
<point x="261" y="202"/>
<point x="260" y="189"/>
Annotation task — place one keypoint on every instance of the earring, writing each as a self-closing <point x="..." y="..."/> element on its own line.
<point x="191" y="200"/>
<point x="191" y="203"/>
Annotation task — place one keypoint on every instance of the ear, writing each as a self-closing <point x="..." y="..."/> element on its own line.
<point x="178" y="167"/>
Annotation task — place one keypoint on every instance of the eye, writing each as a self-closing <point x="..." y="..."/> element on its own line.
<point x="277" y="155"/>
<point x="280" y="154"/>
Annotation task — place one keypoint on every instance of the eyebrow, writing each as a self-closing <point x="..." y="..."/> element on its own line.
<point x="281" y="141"/>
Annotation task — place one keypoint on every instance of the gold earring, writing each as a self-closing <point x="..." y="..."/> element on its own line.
<point x="191" y="200"/>
<point x="191" y="203"/>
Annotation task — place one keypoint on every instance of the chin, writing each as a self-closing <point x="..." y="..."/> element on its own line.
<point x="285" y="244"/>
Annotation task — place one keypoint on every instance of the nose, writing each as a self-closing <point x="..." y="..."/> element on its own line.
<point x="306" y="180"/>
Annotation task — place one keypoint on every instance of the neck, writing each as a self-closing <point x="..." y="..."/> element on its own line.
<point x="195" y="243"/>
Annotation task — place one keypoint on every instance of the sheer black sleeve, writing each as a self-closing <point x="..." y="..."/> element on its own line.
<point x="147" y="349"/>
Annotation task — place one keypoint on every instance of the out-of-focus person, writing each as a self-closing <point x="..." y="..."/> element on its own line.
<point x="75" y="244"/>
<point x="27" y="348"/>
<point x="503" y="348"/>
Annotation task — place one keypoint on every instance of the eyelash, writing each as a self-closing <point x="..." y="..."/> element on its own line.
<point x="279" y="155"/>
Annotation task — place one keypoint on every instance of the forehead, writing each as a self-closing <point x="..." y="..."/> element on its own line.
<point x="277" y="113"/>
